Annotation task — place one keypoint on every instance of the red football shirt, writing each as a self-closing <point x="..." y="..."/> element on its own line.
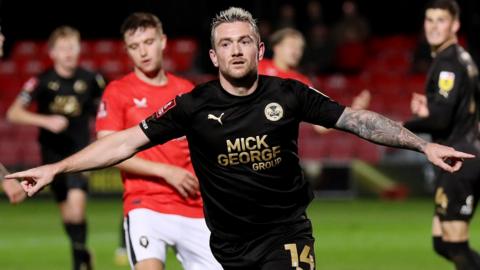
<point x="125" y="103"/>
<point x="267" y="67"/>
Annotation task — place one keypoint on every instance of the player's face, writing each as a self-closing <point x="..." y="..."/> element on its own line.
<point x="65" y="52"/>
<point x="145" y="47"/>
<point x="237" y="51"/>
<point x="289" y="51"/>
<point x="440" y="27"/>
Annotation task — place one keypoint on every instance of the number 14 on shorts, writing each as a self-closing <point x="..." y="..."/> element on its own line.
<point x="305" y="256"/>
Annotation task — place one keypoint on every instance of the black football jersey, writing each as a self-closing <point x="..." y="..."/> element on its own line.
<point x="244" y="150"/>
<point x="74" y="98"/>
<point x="451" y="90"/>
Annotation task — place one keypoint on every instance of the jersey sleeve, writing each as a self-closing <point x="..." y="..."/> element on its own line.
<point x="111" y="113"/>
<point x="442" y="99"/>
<point x="29" y="91"/>
<point x="315" y="107"/>
<point x="169" y="122"/>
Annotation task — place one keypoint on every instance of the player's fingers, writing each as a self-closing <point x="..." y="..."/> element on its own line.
<point x="459" y="154"/>
<point x="190" y="188"/>
<point x="444" y="165"/>
<point x="16" y="175"/>
<point x="457" y="165"/>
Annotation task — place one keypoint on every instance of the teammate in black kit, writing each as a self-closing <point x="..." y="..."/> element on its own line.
<point x="242" y="131"/>
<point x="66" y="100"/>
<point x="450" y="114"/>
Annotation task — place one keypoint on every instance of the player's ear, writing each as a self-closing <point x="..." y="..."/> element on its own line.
<point x="213" y="57"/>
<point x="163" y="39"/>
<point x="456" y="26"/>
<point x="261" y="50"/>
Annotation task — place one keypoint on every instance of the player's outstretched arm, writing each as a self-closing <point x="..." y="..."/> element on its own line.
<point x="102" y="153"/>
<point x="381" y="130"/>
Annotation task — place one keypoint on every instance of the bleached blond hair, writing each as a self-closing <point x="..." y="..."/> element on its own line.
<point x="231" y="15"/>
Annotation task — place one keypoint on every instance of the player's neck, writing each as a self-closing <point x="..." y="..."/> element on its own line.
<point x="437" y="49"/>
<point x="239" y="87"/>
<point x="157" y="78"/>
<point x="281" y="65"/>
<point x="64" y="72"/>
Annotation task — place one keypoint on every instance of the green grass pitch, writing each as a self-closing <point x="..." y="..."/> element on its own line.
<point x="350" y="235"/>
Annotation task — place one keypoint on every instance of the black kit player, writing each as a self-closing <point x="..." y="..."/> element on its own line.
<point x="449" y="113"/>
<point x="66" y="97"/>
<point x="242" y="132"/>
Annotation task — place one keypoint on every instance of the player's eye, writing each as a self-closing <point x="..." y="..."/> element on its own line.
<point x="132" y="47"/>
<point x="149" y="41"/>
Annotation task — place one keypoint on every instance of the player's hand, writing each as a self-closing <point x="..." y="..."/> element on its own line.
<point x="34" y="179"/>
<point x="362" y="100"/>
<point x="419" y="105"/>
<point x="445" y="157"/>
<point x="182" y="180"/>
<point x="13" y="190"/>
<point x="56" y="123"/>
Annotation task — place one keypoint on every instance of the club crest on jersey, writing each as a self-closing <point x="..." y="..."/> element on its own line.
<point x="143" y="241"/>
<point x="446" y="80"/>
<point x="165" y="108"/>
<point x="80" y="86"/>
<point x="140" y="103"/>
<point x="273" y="111"/>
<point x="53" y="85"/>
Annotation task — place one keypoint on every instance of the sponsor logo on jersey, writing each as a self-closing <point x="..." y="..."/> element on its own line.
<point x="102" y="110"/>
<point x="467" y="209"/>
<point x="140" y="103"/>
<point x="165" y="108"/>
<point x="65" y="105"/>
<point x="80" y="86"/>
<point x="446" y="80"/>
<point x="216" y="118"/>
<point x="254" y="151"/>
<point x="143" y="241"/>
<point x="53" y="85"/>
<point x="273" y="111"/>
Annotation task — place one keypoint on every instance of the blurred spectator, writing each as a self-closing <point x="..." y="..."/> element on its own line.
<point x="319" y="52"/>
<point x="352" y="27"/>
<point x="314" y="16"/>
<point x="350" y="34"/>
<point x="286" y="17"/>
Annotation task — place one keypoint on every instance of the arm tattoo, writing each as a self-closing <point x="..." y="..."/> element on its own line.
<point x="379" y="129"/>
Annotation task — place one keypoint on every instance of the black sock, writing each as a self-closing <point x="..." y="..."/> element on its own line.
<point x="440" y="247"/>
<point x="78" y="236"/>
<point x="462" y="256"/>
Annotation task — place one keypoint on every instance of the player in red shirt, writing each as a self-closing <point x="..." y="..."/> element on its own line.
<point x="288" y="45"/>
<point x="162" y="206"/>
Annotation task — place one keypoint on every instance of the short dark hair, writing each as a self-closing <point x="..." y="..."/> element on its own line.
<point x="279" y="35"/>
<point x="450" y="5"/>
<point x="140" y="20"/>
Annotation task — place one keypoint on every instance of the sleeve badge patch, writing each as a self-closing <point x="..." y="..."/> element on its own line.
<point x="446" y="81"/>
<point x="165" y="108"/>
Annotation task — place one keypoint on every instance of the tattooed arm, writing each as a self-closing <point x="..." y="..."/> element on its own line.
<point x="381" y="130"/>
